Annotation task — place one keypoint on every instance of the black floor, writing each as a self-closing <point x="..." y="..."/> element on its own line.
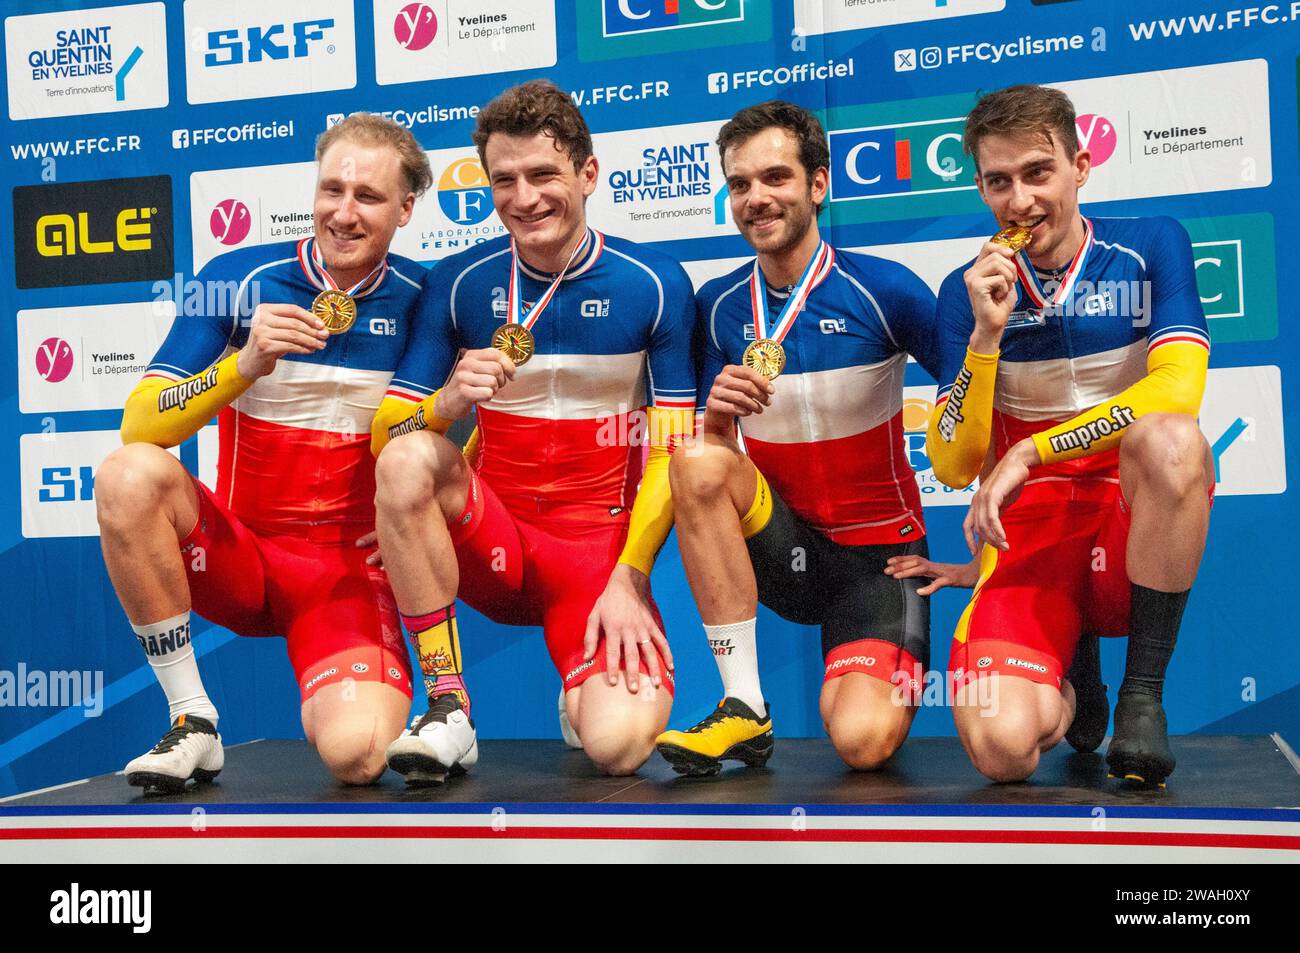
<point x="1221" y="772"/>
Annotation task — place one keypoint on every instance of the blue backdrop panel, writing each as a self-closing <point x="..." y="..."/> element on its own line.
<point x="145" y="138"/>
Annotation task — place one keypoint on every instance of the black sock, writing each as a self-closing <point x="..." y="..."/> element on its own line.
<point x="1085" y="670"/>
<point x="1155" y="620"/>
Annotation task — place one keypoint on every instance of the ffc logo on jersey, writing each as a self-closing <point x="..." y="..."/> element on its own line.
<point x="54" y="360"/>
<point x="415" y="27"/>
<point x="464" y="193"/>
<point x="249" y="49"/>
<point x="907" y="159"/>
<point x="622" y="17"/>
<point x="230" y="222"/>
<point x="89" y="233"/>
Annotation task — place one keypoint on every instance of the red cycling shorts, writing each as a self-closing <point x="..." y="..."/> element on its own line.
<point x="541" y="563"/>
<point x="313" y="587"/>
<point x="1064" y="574"/>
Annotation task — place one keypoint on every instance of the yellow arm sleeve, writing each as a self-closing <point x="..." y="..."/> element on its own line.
<point x="961" y="426"/>
<point x="652" y="513"/>
<point x="1174" y="384"/>
<point x="167" y="413"/>
<point x="396" y="416"/>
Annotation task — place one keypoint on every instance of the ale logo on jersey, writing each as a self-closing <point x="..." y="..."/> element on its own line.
<point x="1097" y="135"/>
<point x="416" y="26"/>
<point x="464" y="193"/>
<point x="230" y="221"/>
<point x="54" y="360"/>
<point x="87" y="233"/>
<point x="907" y="159"/>
<point x="645" y="16"/>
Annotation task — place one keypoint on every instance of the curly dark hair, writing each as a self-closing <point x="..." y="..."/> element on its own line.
<point x="537" y="106"/>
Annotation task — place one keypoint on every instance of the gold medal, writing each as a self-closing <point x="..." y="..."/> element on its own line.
<point x="337" y="309"/>
<point x="514" y="341"/>
<point x="1016" y="237"/>
<point x="765" y="356"/>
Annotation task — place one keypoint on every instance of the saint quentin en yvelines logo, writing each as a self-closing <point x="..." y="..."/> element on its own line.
<point x="89" y="233"/>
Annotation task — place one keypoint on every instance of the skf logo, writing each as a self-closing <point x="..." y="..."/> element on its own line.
<point x="256" y="43"/>
<point x="833" y="326"/>
<point x="647" y="16"/>
<point x="464" y="194"/>
<point x="415" y="27"/>
<point x="906" y="159"/>
<point x="594" y="308"/>
<point x="387" y="327"/>
<point x="84" y="233"/>
<point x="60" y="234"/>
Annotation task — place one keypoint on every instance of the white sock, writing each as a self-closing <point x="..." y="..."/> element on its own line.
<point x="736" y="652"/>
<point x="167" y="644"/>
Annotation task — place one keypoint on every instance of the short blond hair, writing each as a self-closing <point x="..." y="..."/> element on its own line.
<point x="371" y="129"/>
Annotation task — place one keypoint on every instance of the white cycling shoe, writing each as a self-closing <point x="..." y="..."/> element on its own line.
<point x="439" y="743"/>
<point x="566" y="727"/>
<point x="190" y="750"/>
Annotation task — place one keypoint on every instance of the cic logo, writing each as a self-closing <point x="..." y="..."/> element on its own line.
<point x="230" y="222"/>
<point x="907" y="159"/>
<point x="622" y="17"/>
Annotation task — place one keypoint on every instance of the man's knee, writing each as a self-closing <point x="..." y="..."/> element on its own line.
<point x="134" y="481"/>
<point x="352" y="749"/>
<point x="1169" y="450"/>
<point x="619" y="751"/>
<point x="410" y="470"/>
<point x="866" y="740"/>
<point x="700" y="472"/>
<point x="1004" y="747"/>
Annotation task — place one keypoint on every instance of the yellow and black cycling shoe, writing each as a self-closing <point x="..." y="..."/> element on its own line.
<point x="732" y="732"/>
<point x="1139" y="750"/>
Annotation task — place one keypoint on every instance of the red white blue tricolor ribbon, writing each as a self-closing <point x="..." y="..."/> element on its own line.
<point x="818" y="267"/>
<point x="1033" y="288"/>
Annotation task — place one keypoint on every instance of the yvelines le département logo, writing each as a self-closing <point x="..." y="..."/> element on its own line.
<point x="89" y="233"/>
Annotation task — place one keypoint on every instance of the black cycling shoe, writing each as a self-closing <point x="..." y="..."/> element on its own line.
<point x="1091" y="706"/>
<point x="1139" y="750"/>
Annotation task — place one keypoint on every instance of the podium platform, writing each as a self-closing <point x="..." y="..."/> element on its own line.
<point x="1231" y="799"/>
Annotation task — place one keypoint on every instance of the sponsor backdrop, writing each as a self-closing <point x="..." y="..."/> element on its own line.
<point x="144" y="139"/>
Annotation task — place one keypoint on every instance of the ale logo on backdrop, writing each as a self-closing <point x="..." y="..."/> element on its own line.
<point x="90" y="233"/>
